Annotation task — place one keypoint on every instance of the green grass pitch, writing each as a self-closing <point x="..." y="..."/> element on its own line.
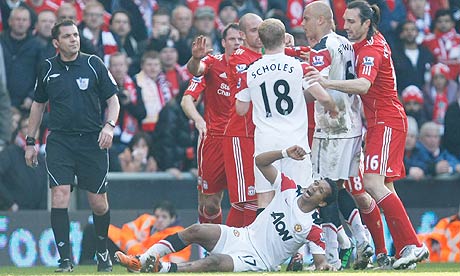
<point x="449" y="269"/>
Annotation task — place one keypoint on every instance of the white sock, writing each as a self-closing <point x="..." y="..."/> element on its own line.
<point x="357" y="227"/>
<point x="342" y="237"/>
<point x="332" y="245"/>
<point x="165" y="266"/>
<point x="161" y="248"/>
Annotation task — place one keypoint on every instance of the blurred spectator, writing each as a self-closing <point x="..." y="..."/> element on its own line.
<point x="45" y="22"/>
<point x="138" y="25"/>
<point x="137" y="236"/>
<point x="455" y="8"/>
<point x="155" y="89"/>
<point x="409" y="149"/>
<point x="391" y="15"/>
<point x="248" y="6"/>
<point x="67" y="11"/>
<point x="92" y="29"/>
<point x="176" y="138"/>
<point x="419" y="12"/>
<point x="138" y="156"/>
<point x="443" y="242"/>
<point x="120" y="25"/>
<point x="43" y="5"/>
<point x="412" y="99"/>
<point x="452" y="128"/>
<point x="162" y="29"/>
<point x="132" y="109"/>
<point x="226" y="14"/>
<point x="195" y="4"/>
<point x="439" y="93"/>
<point x="203" y="24"/>
<point x="412" y="60"/>
<point x="176" y="75"/>
<point x="429" y="156"/>
<point x="182" y="20"/>
<point x="22" y="187"/>
<point x="22" y="53"/>
<point x="146" y="8"/>
<point x="444" y="43"/>
<point x="7" y="6"/>
<point x="5" y="106"/>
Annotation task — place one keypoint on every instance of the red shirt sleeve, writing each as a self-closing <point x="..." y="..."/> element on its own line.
<point x="320" y="59"/>
<point x="195" y="87"/>
<point x="368" y="63"/>
<point x="287" y="183"/>
<point x="208" y="62"/>
<point x="316" y="236"/>
<point x="297" y="51"/>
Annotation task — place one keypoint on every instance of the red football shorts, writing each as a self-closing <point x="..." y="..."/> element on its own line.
<point x="384" y="152"/>
<point x="239" y="167"/>
<point x="211" y="168"/>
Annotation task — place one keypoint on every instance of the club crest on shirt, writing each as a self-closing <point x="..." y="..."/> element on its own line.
<point x="197" y="79"/>
<point x="82" y="83"/>
<point x="251" y="191"/>
<point x="368" y="61"/>
<point x="297" y="227"/>
<point x="318" y="61"/>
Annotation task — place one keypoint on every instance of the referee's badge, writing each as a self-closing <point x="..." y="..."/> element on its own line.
<point x="82" y="83"/>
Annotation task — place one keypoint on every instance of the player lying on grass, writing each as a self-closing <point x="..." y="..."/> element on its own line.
<point x="276" y="234"/>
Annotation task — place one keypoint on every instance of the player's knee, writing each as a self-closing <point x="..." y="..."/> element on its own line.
<point x="363" y="201"/>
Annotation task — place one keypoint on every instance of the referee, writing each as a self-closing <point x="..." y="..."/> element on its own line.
<point x="75" y="84"/>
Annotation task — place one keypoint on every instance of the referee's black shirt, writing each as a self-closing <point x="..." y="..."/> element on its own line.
<point x="74" y="90"/>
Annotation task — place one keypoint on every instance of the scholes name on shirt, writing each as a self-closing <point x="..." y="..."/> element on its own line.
<point x="272" y="67"/>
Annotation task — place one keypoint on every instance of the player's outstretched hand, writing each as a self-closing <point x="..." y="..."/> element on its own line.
<point x="201" y="127"/>
<point x="296" y="152"/>
<point x="31" y="156"/>
<point x="199" y="50"/>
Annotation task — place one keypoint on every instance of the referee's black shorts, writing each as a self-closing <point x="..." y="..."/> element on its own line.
<point x="78" y="155"/>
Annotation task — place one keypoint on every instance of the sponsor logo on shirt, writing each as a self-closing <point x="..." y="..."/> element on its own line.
<point x="82" y="83"/>
<point x="318" y="61"/>
<point x="240" y="67"/>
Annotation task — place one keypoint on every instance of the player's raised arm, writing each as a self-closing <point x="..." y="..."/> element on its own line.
<point x="265" y="160"/>
<point x="199" y="51"/>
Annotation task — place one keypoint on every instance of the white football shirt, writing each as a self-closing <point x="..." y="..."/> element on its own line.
<point x="282" y="228"/>
<point x="274" y="86"/>
<point x="334" y="57"/>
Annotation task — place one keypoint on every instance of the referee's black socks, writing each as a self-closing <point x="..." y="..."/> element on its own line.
<point x="61" y="228"/>
<point x="101" y="226"/>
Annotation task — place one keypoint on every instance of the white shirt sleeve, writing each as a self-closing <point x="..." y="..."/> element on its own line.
<point x="244" y="95"/>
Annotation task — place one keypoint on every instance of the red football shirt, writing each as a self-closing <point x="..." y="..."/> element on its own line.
<point x="381" y="103"/>
<point x="217" y="98"/>
<point x="239" y="126"/>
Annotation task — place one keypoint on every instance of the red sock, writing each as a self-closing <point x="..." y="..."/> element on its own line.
<point x="398" y="222"/>
<point x="372" y="219"/>
<point x="203" y="217"/>
<point x="235" y="217"/>
<point x="250" y="213"/>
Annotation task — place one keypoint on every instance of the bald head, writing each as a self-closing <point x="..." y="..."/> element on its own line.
<point x="248" y="20"/>
<point x="318" y="9"/>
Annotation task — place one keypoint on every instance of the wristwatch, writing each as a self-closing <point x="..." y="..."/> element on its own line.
<point x="111" y="123"/>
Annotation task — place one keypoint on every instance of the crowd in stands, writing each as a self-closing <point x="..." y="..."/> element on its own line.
<point x="145" y="44"/>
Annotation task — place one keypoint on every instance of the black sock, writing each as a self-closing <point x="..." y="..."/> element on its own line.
<point x="61" y="228"/>
<point x="259" y="210"/>
<point x="101" y="226"/>
<point x="173" y="267"/>
<point x="176" y="242"/>
<point x="346" y="203"/>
